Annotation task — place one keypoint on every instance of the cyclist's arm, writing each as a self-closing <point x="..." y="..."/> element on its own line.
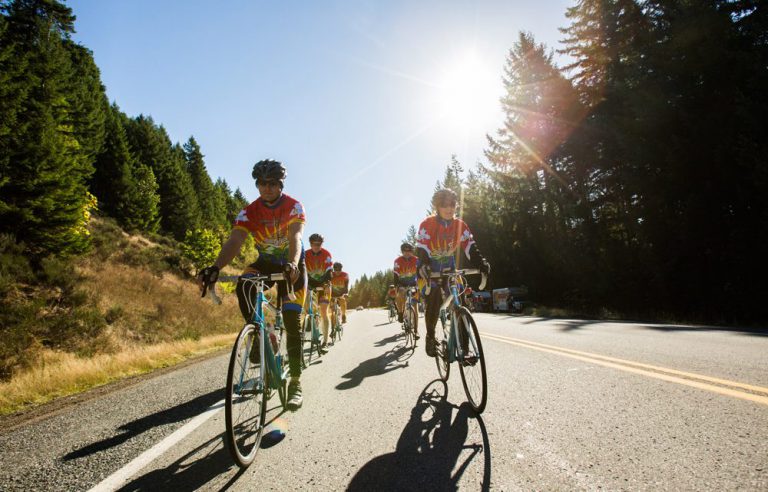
<point x="231" y="248"/>
<point x="295" y="231"/>
<point x="397" y="279"/>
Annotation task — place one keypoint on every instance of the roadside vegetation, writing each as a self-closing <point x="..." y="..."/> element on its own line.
<point x="126" y="308"/>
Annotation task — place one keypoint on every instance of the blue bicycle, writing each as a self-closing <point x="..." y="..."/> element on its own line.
<point x="310" y="333"/>
<point x="460" y="341"/>
<point x="250" y="384"/>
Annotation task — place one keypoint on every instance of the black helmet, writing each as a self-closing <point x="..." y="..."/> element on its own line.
<point x="337" y="266"/>
<point x="268" y="169"/>
<point x="444" y="195"/>
<point x="316" y="238"/>
<point x="406" y="247"/>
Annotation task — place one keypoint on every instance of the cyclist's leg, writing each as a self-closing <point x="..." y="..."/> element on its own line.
<point x="399" y="302"/>
<point x="325" y="300"/>
<point x="291" y="318"/>
<point x="343" y="304"/>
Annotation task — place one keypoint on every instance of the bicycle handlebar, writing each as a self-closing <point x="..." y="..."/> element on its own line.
<point x="457" y="273"/>
<point x="209" y="290"/>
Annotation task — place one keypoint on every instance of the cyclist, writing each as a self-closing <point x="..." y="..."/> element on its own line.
<point x="405" y="271"/>
<point x="340" y="288"/>
<point x="319" y="266"/>
<point x="442" y="240"/>
<point x="276" y="222"/>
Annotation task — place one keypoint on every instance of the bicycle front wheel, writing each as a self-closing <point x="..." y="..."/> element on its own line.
<point x="441" y="357"/>
<point x="245" y="402"/>
<point x="472" y="365"/>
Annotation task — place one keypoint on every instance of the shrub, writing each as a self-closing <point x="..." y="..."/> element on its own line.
<point x="200" y="247"/>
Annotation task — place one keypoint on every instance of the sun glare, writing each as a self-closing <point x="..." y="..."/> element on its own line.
<point x="468" y="93"/>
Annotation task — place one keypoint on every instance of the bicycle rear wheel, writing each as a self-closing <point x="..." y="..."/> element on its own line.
<point x="472" y="367"/>
<point x="307" y="342"/>
<point x="410" y="328"/>
<point x="282" y="366"/>
<point x="441" y="358"/>
<point x="245" y="403"/>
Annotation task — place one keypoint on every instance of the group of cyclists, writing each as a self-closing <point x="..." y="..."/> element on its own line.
<point x="443" y="242"/>
<point x="276" y="221"/>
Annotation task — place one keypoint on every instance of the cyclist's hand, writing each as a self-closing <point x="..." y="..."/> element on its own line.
<point x="207" y="276"/>
<point x="425" y="271"/>
<point x="291" y="271"/>
<point x="485" y="268"/>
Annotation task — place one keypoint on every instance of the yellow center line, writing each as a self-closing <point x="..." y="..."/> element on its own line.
<point x="671" y="375"/>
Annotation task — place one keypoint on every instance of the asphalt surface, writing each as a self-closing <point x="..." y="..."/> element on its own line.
<point x="573" y="405"/>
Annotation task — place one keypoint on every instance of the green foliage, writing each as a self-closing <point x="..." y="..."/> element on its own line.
<point x="200" y="247"/>
<point x="371" y="290"/>
<point x="52" y="131"/>
<point x="212" y="208"/>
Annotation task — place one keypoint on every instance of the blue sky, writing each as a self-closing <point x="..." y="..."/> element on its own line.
<point x="363" y="101"/>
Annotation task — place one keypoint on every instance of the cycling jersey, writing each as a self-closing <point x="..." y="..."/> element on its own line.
<point x="406" y="270"/>
<point x="268" y="224"/>
<point x="392" y="293"/>
<point x="339" y="283"/>
<point x="318" y="266"/>
<point x="442" y="239"/>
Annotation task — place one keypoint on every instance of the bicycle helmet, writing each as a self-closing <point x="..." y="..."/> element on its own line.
<point x="337" y="266"/>
<point x="269" y="170"/>
<point x="406" y="247"/>
<point x="316" y="238"/>
<point x="443" y="197"/>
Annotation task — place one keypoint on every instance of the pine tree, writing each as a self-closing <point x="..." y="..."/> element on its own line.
<point x="211" y="215"/>
<point x="43" y="186"/>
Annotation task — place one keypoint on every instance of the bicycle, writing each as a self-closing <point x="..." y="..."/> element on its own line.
<point x="410" y="318"/>
<point x="392" y="312"/>
<point x="250" y="384"/>
<point x="461" y="340"/>
<point x="311" y="322"/>
<point x="337" y="328"/>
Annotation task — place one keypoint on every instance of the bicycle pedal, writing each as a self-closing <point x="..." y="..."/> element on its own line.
<point x="469" y="361"/>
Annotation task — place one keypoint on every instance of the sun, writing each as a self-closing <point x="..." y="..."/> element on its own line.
<point x="468" y="92"/>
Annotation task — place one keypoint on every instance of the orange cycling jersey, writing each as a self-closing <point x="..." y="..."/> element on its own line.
<point x="442" y="240"/>
<point x="339" y="283"/>
<point x="269" y="226"/>
<point x="318" y="264"/>
<point x="406" y="269"/>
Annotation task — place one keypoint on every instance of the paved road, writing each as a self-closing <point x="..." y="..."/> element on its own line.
<point x="574" y="405"/>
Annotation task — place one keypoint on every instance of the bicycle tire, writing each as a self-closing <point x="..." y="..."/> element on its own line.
<point x="441" y="358"/>
<point x="414" y="323"/>
<point x="243" y="430"/>
<point x="306" y="337"/>
<point x="473" y="372"/>
<point x="282" y="385"/>
<point x="410" y="338"/>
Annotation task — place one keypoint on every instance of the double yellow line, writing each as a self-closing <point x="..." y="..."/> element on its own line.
<point x="757" y="394"/>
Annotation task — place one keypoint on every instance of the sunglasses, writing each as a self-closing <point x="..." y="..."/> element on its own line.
<point x="268" y="183"/>
<point x="447" y="204"/>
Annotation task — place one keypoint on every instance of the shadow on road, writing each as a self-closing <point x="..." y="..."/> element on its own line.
<point x="570" y="324"/>
<point x="388" y="361"/>
<point x="178" y="413"/>
<point x="435" y="449"/>
<point x="388" y="340"/>
<point x="384" y="324"/>
<point x="192" y="471"/>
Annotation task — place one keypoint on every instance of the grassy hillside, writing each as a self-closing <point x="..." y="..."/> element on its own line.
<point x="128" y="307"/>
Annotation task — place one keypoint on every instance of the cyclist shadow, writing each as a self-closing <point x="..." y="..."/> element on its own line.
<point x="377" y="366"/>
<point x="130" y="430"/>
<point x="388" y="340"/>
<point x="192" y="471"/>
<point x="434" y="451"/>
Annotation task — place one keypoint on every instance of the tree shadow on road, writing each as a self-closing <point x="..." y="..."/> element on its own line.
<point x="435" y="449"/>
<point x="388" y="361"/>
<point x="192" y="471"/>
<point x="178" y="413"/>
<point x="574" y="324"/>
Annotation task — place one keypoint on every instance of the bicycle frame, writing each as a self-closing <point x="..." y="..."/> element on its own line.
<point x="450" y="307"/>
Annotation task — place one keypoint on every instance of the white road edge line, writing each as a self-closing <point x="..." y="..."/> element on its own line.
<point x="121" y="476"/>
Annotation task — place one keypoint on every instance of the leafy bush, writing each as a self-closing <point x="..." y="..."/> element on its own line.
<point x="200" y="247"/>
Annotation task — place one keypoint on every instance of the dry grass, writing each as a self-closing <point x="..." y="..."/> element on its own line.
<point x="62" y="374"/>
<point x="135" y="313"/>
